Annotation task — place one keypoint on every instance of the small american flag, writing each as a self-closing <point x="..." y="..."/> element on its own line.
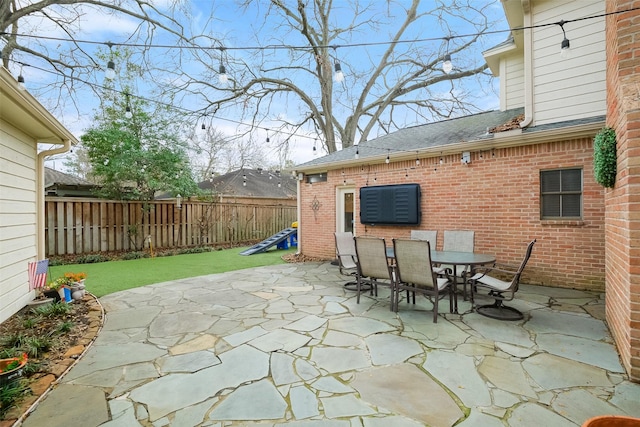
<point x="38" y="274"/>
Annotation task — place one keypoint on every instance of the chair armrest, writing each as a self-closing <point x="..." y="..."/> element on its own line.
<point x="495" y="268"/>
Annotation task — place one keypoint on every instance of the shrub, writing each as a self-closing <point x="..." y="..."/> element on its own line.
<point x="604" y="157"/>
<point x="91" y="258"/>
<point x="134" y="255"/>
<point x="196" y="250"/>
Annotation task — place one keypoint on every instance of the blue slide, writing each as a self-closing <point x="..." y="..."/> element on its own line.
<point x="283" y="239"/>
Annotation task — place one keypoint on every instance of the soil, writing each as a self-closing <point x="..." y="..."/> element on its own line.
<point x="86" y="316"/>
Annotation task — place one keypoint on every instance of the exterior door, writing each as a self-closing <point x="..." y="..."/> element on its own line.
<point x="346" y="206"/>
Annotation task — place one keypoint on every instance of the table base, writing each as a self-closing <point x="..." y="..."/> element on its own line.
<point x="499" y="311"/>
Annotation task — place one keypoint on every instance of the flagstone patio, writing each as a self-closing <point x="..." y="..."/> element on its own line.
<point x="288" y="344"/>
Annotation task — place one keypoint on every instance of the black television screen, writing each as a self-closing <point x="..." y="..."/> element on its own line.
<point x="390" y="204"/>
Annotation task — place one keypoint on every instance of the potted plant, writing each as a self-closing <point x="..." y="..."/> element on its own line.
<point x="61" y="286"/>
<point x="76" y="284"/>
<point x="76" y="277"/>
<point x="11" y="368"/>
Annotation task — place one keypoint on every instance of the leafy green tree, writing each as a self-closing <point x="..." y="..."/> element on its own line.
<point x="134" y="158"/>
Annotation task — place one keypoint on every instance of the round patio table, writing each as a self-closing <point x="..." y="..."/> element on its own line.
<point x="455" y="259"/>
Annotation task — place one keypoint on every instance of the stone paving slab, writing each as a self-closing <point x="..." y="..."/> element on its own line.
<point x="288" y="345"/>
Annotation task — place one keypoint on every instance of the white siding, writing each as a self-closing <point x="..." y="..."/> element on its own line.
<point x="574" y="87"/>
<point x="17" y="217"/>
<point x="513" y="75"/>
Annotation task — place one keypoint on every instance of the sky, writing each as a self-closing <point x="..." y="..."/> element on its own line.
<point x="252" y="26"/>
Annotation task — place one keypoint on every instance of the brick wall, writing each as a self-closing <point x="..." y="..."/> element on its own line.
<point x="497" y="196"/>
<point x="622" y="207"/>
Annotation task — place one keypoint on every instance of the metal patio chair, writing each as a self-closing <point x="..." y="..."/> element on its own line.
<point x="414" y="274"/>
<point x="500" y="290"/>
<point x="346" y="255"/>
<point x="373" y="266"/>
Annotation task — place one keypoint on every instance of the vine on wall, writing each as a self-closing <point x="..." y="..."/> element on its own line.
<point x="604" y="157"/>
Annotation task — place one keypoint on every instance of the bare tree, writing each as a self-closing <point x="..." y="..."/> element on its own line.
<point x="385" y="83"/>
<point x="26" y="38"/>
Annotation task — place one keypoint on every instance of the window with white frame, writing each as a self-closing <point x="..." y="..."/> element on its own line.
<point x="561" y="194"/>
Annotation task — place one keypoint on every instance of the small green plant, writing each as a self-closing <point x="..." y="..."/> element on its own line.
<point x="30" y="322"/>
<point x="64" y="327"/>
<point x="604" y="157"/>
<point x="55" y="309"/>
<point x="12" y="340"/>
<point x="10" y="394"/>
<point x="34" y="346"/>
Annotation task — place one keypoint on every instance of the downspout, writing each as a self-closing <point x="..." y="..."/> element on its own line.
<point x="298" y="205"/>
<point x="66" y="146"/>
<point x="528" y="65"/>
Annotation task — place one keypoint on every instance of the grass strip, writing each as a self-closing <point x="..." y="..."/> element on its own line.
<point x="108" y="277"/>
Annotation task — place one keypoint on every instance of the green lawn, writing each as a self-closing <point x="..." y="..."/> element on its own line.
<point x="107" y="277"/>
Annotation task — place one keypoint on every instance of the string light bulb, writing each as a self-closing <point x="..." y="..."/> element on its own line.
<point x="357" y="152"/>
<point x="222" y="71"/>
<point x="110" y="72"/>
<point x="387" y="160"/>
<point x="417" y="159"/>
<point x="565" y="46"/>
<point x="447" y="66"/>
<point x="338" y="76"/>
<point x="21" y="82"/>
<point x="222" y="76"/>
<point x="127" y="111"/>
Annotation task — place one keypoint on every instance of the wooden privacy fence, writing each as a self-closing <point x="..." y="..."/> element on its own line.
<point x="78" y="225"/>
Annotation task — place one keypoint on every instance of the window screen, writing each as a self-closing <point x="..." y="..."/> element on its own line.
<point x="561" y="193"/>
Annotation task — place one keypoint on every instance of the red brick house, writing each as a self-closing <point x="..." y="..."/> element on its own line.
<point x="523" y="172"/>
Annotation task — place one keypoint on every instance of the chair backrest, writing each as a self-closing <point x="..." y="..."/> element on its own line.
<point x="345" y="249"/>
<point x="458" y="240"/>
<point x="413" y="262"/>
<point x="428" y="235"/>
<point x="527" y="255"/>
<point x="372" y="258"/>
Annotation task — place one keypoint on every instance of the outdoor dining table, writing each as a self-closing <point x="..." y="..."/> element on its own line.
<point x="455" y="259"/>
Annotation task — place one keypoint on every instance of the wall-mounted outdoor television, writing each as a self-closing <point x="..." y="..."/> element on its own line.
<point x="390" y="204"/>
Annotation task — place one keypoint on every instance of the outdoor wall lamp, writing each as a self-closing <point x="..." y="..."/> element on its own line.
<point x="466" y="158"/>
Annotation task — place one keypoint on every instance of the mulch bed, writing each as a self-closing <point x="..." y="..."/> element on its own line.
<point x="87" y="318"/>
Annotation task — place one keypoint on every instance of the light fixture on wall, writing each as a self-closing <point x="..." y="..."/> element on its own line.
<point x="466" y="158"/>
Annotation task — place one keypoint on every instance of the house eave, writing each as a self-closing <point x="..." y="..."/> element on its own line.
<point x="512" y="138"/>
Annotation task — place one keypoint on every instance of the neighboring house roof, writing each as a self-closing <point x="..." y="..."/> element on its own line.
<point x="58" y="183"/>
<point x="445" y="136"/>
<point x="259" y="183"/>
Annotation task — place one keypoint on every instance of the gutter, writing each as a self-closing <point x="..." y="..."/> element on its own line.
<point x="511" y="138"/>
